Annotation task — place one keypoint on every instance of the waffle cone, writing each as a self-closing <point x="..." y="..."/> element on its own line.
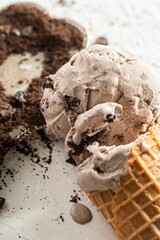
<point x="134" y="210"/>
<point x="102" y="200"/>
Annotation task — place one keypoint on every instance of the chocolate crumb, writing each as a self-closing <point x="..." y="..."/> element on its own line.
<point x="20" y="97"/>
<point x="110" y="118"/>
<point x="27" y="28"/>
<point x="101" y="40"/>
<point x="27" y="31"/>
<point x="75" y="198"/>
<point x="85" y="141"/>
<point x="48" y="83"/>
<point x="147" y="101"/>
<point x="2" y="201"/>
<point x="119" y="137"/>
<point x="49" y="144"/>
<point x="66" y="2"/>
<point x="61" y="217"/>
<point x="97" y="169"/>
<point x="71" y="161"/>
<point x="138" y="125"/>
<point x="72" y="102"/>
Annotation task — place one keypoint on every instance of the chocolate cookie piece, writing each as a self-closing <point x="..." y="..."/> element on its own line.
<point x="32" y="45"/>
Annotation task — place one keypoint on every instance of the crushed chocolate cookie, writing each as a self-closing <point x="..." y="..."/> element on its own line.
<point x="48" y="83"/>
<point x="85" y="141"/>
<point x="49" y="144"/>
<point x="26" y="28"/>
<point x="72" y="102"/>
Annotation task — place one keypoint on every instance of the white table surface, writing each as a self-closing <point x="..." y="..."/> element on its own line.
<point x="34" y="204"/>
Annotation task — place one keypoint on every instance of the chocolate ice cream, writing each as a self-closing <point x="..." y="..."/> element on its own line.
<point x="94" y="76"/>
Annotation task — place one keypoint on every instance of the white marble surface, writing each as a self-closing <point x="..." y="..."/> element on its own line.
<point x="34" y="204"/>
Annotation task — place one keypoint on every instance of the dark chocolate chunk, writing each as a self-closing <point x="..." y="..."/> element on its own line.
<point x="80" y="213"/>
<point x="85" y="141"/>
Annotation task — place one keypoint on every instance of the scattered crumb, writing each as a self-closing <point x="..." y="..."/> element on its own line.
<point x="61" y="217"/>
<point x="75" y="198"/>
<point x="66" y="2"/>
<point x="101" y="40"/>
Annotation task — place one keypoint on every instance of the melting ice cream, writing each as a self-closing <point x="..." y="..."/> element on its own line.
<point x="100" y="102"/>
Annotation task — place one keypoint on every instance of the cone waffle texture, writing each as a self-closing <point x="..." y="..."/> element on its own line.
<point x="103" y="201"/>
<point x="134" y="210"/>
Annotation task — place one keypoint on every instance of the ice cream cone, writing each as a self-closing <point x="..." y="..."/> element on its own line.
<point x="103" y="202"/>
<point x="134" y="210"/>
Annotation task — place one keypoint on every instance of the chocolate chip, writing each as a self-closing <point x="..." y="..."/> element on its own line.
<point x="110" y="118"/>
<point x="72" y="102"/>
<point x="80" y="213"/>
<point x="2" y="201"/>
<point x="27" y="31"/>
